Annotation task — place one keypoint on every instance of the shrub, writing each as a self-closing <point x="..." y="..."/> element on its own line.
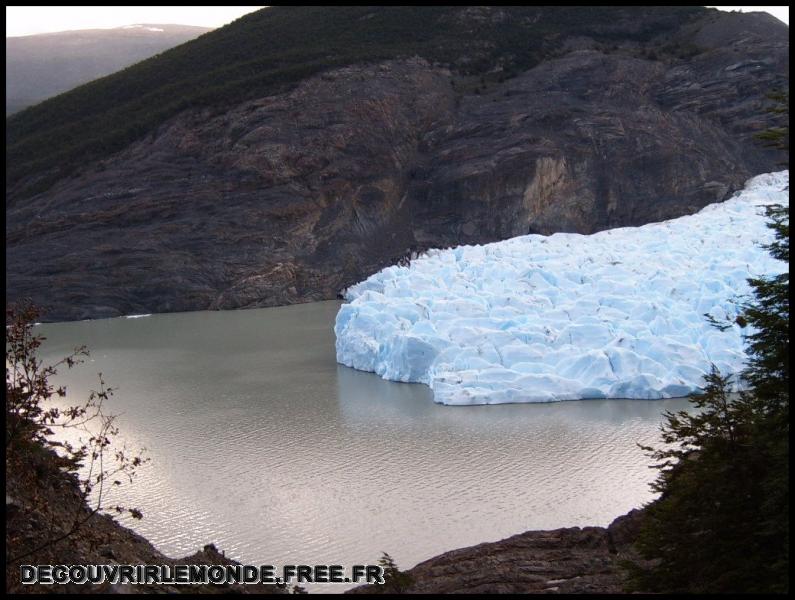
<point x="32" y="455"/>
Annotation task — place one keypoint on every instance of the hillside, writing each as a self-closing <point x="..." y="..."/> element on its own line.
<point x="263" y="52"/>
<point x="44" y="65"/>
<point x="299" y="150"/>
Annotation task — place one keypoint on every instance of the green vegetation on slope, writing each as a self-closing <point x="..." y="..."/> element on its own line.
<point x="270" y="50"/>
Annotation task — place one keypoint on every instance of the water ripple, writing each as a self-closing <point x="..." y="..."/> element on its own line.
<point x="278" y="464"/>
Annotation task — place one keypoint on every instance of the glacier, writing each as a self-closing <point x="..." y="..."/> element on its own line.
<point x="615" y="314"/>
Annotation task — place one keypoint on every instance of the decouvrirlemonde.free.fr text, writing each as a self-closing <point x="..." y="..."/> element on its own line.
<point x="199" y="574"/>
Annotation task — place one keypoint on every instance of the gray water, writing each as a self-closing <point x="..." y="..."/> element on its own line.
<point x="260" y="443"/>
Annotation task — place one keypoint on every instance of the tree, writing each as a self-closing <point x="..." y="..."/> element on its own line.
<point x="721" y="523"/>
<point x="395" y="580"/>
<point x="33" y="457"/>
<point x="777" y="137"/>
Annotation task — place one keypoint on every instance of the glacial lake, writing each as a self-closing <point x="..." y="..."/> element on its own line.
<point x="262" y="444"/>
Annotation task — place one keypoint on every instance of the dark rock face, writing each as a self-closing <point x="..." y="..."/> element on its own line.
<point x="291" y="198"/>
<point x="573" y="560"/>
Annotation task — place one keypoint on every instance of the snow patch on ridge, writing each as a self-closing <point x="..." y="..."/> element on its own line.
<point x="616" y="314"/>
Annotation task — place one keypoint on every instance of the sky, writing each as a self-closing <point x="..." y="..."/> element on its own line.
<point x="780" y="12"/>
<point x="27" y="20"/>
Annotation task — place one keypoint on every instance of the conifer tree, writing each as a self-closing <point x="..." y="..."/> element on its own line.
<point x="721" y="523"/>
<point x="777" y="137"/>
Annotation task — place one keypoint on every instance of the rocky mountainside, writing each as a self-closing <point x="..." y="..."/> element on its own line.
<point x="43" y="65"/>
<point x="571" y="560"/>
<point x="294" y="195"/>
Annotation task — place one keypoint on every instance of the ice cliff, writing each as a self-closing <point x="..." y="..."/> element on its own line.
<point x="616" y="314"/>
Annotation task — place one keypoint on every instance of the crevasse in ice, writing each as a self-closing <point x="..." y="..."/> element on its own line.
<point x="615" y="314"/>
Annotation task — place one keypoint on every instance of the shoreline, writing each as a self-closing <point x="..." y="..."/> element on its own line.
<point x="569" y="560"/>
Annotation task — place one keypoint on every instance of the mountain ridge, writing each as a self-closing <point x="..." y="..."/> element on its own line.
<point x="40" y="66"/>
<point x="267" y="50"/>
<point x="296" y="194"/>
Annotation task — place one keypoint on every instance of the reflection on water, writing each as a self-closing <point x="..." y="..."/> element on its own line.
<point x="265" y="446"/>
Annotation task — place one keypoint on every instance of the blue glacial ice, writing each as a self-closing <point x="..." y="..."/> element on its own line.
<point x="615" y="314"/>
